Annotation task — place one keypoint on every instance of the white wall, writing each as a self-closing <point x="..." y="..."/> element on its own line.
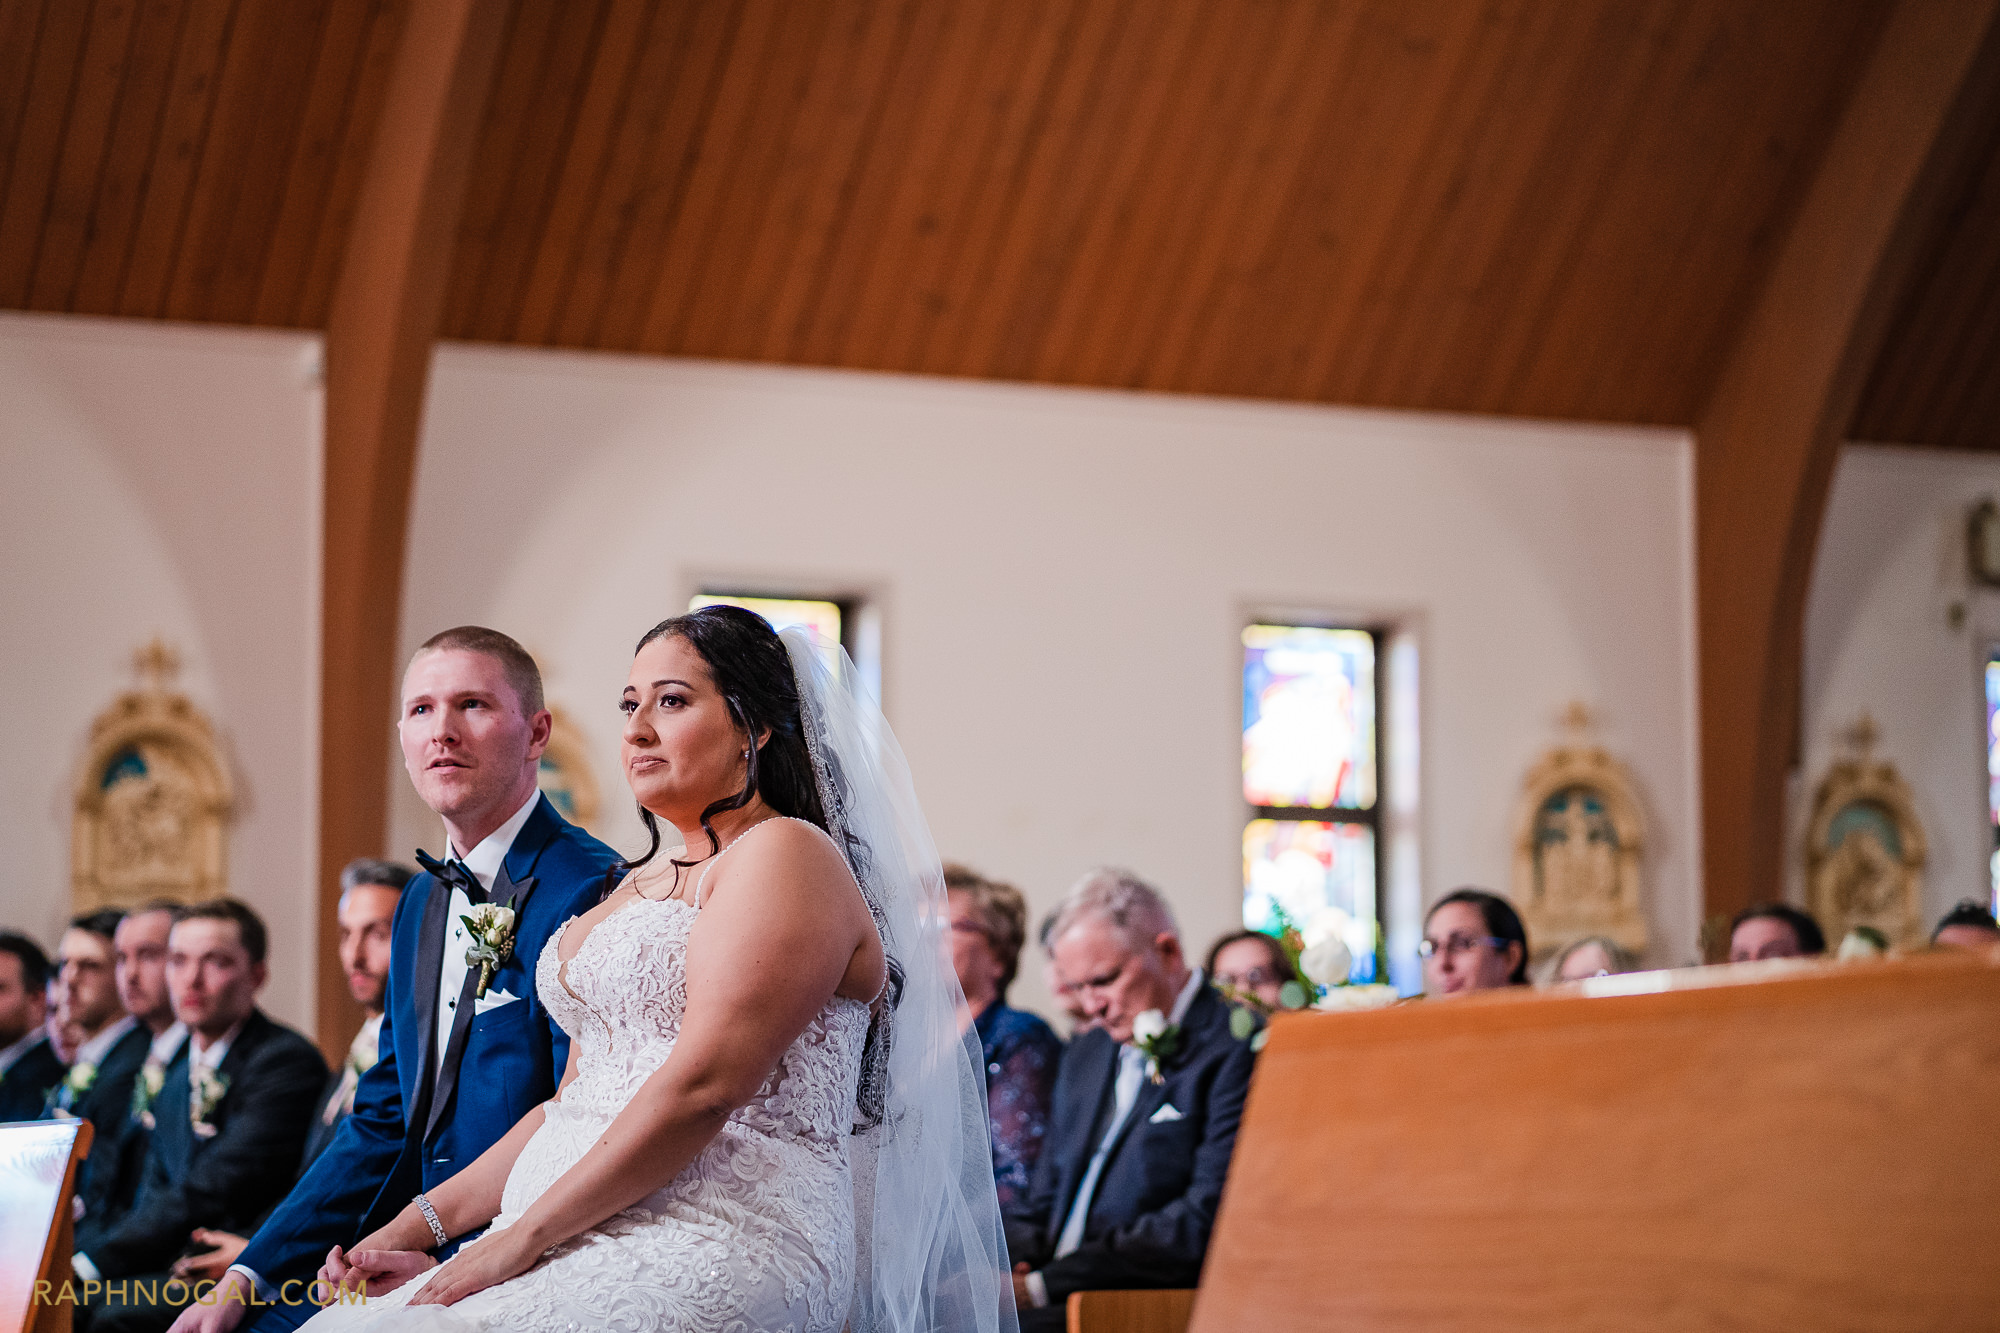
<point x="1881" y="637"/>
<point x="1062" y="575"/>
<point x="162" y="479"/>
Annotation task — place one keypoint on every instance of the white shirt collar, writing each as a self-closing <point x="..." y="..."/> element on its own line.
<point x="484" y="860"/>
<point x="167" y="1043"/>
<point x="10" y="1054"/>
<point x="212" y="1057"/>
<point x="93" y="1051"/>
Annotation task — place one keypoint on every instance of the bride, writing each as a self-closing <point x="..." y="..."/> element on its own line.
<point x="769" y="1120"/>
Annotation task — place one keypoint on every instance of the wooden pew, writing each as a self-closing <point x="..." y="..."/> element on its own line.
<point x="38" y="1162"/>
<point x="1819" y="1150"/>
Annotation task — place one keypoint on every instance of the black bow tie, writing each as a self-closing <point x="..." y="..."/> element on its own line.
<point x="454" y="875"/>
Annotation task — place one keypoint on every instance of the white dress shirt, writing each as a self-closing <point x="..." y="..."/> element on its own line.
<point x="484" y="863"/>
<point x="92" y="1052"/>
<point x="1124" y="1093"/>
<point x="167" y="1045"/>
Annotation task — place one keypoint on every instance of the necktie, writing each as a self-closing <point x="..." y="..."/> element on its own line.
<point x="1125" y="1091"/>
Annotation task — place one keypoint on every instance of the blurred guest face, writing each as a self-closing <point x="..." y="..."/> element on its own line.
<point x="1967" y="937"/>
<point x="1246" y="966"/>
<point x="1463" y="957"/>
<point x="367" y="913"/>
<point x="972" y="953"/>
<point x="1588" y="961"/>
<point x="141" y="949"/>
<point x="1764" y="937"/>
<point x="1116" y="980"/>
<point x="470" y="750"/>
<point x="22" y="1008"/>
<point x="1068" y="996"/>
<point x="87" y="964"/>
<point x="211" y="977"/>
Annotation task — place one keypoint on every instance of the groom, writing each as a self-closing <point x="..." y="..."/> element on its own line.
<point x="473" y="729"/>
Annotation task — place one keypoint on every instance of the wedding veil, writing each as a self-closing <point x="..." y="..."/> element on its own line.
<point x="929" y="1250"/>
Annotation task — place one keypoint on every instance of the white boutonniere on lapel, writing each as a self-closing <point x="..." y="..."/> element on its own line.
<point x="492" y="928"/>
<point x="152" y="1077"/>
<point x="1156" y="1039"/>
<point x="68" y="1092"/>
<point x="206" y="1089"/>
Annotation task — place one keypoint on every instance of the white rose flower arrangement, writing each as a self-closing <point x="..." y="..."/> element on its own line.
<point x="1323" y="963"/>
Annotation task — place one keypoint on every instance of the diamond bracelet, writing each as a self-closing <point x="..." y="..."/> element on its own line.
<point x="430" y="1216"/>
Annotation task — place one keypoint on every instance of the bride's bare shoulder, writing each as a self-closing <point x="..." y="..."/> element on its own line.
<point x="789" y="851"/>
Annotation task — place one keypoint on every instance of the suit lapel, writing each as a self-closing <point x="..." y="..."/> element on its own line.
<point x="430" y="970"/>
<point x="1096" y="1088"/>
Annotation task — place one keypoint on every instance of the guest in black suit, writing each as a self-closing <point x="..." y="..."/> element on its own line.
<point x="229" y="1124"/>
<point x="112" y="1045"/>
<point x="1145" y="1114"/>
<point x="110" y="1178"/>
<point x="369" y="892"/>
<point x="29" y="1065"/>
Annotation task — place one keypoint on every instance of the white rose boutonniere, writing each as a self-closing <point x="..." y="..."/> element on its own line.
<point x="206" y="1089"/>
<point x="152" y="1077"/>
<point x="492" y="928"/>
<point x="1156" y="1038"/>
<point x="68" y="1092"/>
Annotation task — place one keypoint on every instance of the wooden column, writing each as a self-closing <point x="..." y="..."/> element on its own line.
<point x="1769" y="435"/>
<point x="379" y="336"/>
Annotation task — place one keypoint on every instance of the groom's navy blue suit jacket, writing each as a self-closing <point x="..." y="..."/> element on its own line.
<point x="382" y="1156"/>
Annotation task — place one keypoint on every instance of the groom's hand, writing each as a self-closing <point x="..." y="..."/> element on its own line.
<point x="222" y="1312"/>
<point x="369" y="1272"/>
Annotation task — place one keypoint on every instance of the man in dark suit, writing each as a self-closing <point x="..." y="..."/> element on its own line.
<point x="369" y="893"/>
<point x="29" y="1065"/>
<point x="98" y="1087"/>
<point x="117" y="1163"/>
<point x="228" y="1125"/>
<point x="473" y="728"/>
<point x="1145" y="1110"/>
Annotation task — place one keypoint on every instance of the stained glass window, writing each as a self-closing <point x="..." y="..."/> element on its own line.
<point x="1308" y="717"/>
<point x="1312" y="745"/>
<point x="821" y="617"/>
<point x="1993" y="766"/>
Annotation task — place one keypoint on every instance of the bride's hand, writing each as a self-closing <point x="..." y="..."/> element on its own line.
<point x="370" y="1272"/>
<point x="495" y="1258"/>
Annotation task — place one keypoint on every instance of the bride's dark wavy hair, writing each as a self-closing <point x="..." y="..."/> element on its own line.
<point x="753" y="673"/>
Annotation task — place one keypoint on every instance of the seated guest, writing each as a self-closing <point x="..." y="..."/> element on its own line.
<point x="29" y="1065"/>
<point x="1591" y="956"/>
<point x="229" y="1125"/>
<point x="1145" y="1111"/>
<point x="369" y="892"/>
<point x="989" y="922"/>
<point x="1252" y="964"/>
<point x="1774" y="930"/>
<point x="110" y="1177"/>
<point x="1967" y="926"/>
<point x="113" y="1045"/>
<point x="1473" y="940"/>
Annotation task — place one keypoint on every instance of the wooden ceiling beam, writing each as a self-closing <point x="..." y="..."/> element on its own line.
<point x="1768" y="437"/>
<point x="384" y="321"/>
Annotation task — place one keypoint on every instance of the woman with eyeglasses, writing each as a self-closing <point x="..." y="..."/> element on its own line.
<point x="989" y="922"/>
<point x="1473" y="940"/>
<point x="1249" y="964"/>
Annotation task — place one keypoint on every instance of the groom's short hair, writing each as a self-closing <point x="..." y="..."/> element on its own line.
<point x="519" y="668"/>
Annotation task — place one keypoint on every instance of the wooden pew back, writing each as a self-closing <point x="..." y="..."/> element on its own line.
<point x="38" y="1161"/>
<point x="1819" y="1150"/>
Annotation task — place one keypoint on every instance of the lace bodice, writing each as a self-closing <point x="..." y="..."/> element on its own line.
<point x="620" y="998"/>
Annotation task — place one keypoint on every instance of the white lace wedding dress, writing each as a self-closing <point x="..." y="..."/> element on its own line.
<point x="757" y="1233"/>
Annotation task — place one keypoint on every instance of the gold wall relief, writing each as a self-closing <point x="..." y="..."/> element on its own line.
<point x="565" y="772"/>
<point x="1865" y="847"/>
<point x="1580" y="836"/>
<point x="153" y="797"/>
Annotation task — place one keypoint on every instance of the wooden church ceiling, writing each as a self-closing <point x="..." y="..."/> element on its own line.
<point x="1543" y="207"/>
